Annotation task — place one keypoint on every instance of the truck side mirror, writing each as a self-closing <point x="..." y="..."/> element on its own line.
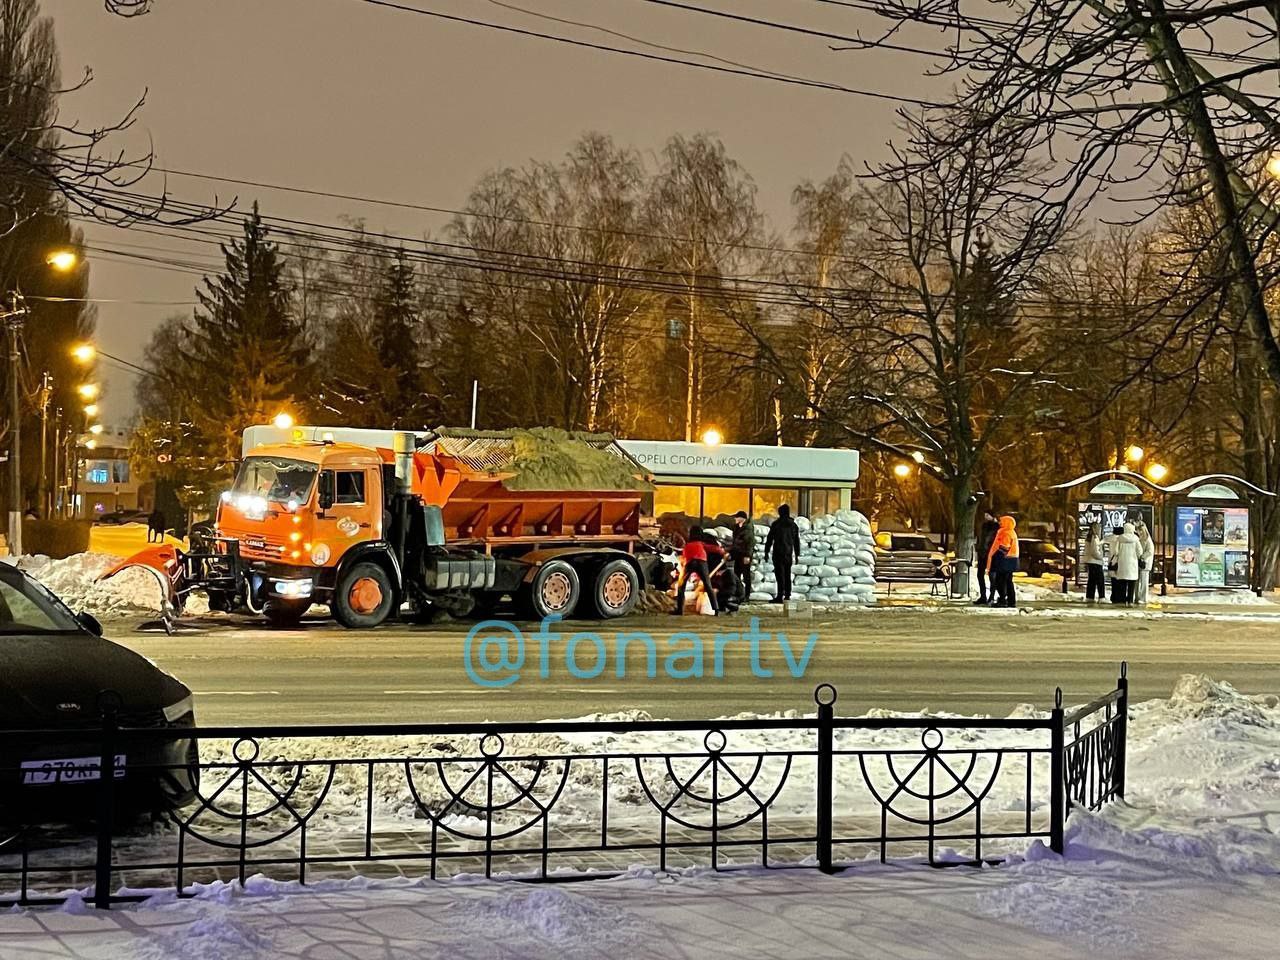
<point x="325" y="494"/>
<point x="433" y="519"/>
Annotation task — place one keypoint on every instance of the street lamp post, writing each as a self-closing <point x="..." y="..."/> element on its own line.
<point x="13" y="322"/>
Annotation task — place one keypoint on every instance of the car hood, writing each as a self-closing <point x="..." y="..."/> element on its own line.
<point x="56" y="681"/>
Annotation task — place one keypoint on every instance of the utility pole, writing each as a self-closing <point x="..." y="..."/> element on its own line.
<point x="13" y="321"/>
<point x="42" y="494"/>
<point x="54" y="502"/>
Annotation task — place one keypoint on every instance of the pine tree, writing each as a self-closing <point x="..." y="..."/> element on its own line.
<point x="248" y="353"/>
<point x="403" y="398"/>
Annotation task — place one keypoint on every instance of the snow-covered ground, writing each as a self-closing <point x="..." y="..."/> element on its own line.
<point x="1185" y="868"/>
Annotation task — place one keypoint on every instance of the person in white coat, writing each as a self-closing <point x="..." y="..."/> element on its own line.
<point x="1146" y="557"/>
<point x="1126" y="570"/>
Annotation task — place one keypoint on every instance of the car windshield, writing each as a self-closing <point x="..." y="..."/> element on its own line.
<point x="27" y="607"/>
<point x="911" y="543"/>
<point x="275" y="478"/>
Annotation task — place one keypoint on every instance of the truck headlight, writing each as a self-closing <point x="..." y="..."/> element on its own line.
<point x="320" y="554"/>
<point x="180" y="709"/>
<point x="293" y="588"/>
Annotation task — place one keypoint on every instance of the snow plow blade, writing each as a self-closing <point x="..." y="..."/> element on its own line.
<point x="165" y="562"/>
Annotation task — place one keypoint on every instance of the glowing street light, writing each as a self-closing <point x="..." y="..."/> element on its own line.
<point x="96" y="429"/>
<point x="91" y="410"/>
<point x="1157" y="472"/>
<point x="711" y="437"/>
<point x="89" y="391"/>
<point x="282" y="421"/>
<point x="917" y="456"/>
<point x="62" y="260"/>
<point x="1134" y="453"/>
<point x="1273" y="165"/>
<point x="91" y="443"/>
<point x="84" y="352"/>
<point x="902" y="470"/>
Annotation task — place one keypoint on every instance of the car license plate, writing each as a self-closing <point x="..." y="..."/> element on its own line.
<point x="70" y="770"/>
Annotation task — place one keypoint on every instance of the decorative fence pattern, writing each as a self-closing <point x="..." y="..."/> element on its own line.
<point x="566" y="800"/>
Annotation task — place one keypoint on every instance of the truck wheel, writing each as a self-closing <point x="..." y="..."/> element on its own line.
<point x="554" y="590"/>
<point x="364" y="596"/>
<point x="284" y="614"/>
<point x="615" y="589"/>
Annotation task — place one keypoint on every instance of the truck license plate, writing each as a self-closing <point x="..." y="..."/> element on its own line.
<point x="71" y="770"/>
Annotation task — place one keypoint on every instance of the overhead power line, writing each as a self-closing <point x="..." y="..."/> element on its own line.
<point x="660" y="58"/>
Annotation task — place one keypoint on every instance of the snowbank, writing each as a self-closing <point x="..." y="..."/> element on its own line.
<point x="75" y="581"/>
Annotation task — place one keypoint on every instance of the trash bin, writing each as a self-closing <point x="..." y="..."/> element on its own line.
<point x="960" y="578"/>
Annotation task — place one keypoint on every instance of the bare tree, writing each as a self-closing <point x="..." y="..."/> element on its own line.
<point x="1145" y="102"/>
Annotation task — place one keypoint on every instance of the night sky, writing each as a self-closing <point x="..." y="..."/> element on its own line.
<point x="342" y="96"/>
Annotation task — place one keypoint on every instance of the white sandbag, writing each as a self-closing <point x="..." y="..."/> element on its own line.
<point x="836" y="581"/>
<point x="820" y="594"/>
<point x="823" y="570"/>
<point x="810" y="560"/>
<point x="805" y="582"/>
<point x="803" y="523"/>
<point x="759" y="596"/>
<point x="799" y="569"/>
<point x="722" y="533"/>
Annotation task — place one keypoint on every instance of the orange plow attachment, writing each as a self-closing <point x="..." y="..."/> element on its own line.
<point x="165" y="562"/>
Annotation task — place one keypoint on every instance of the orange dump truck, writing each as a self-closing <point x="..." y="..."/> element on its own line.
<point x="417" y="521"/>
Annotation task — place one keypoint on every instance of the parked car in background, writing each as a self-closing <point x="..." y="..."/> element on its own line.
<point x="908" y="557"/>
<point x="121" y="517"/>
<point x="56" y="670"/>
<point x="1040" y="557"/>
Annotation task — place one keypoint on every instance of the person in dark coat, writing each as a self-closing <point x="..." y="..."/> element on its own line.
<point x="986" y="534"/>
<point x="783" y="546"/>
<point x="155" y="526"/>
<point x="741" y="550"/>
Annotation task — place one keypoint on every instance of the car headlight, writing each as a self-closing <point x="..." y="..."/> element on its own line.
<point x="320" y="554"/>
<point x="180" y="709"/>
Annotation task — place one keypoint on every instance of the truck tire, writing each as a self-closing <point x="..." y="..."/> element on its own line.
<point x="364" y="596"/>
<point x="284" y="614"/>
<point x="615" y="589"/>
<point x="554" y="590"/>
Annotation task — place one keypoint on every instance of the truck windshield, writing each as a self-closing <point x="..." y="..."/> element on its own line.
<point x="275" y="478"/>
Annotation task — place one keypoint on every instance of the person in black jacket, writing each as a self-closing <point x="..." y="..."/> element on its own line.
<point x="783" y="546"/>
<point x="986" y="533"/>
<point x="741" y="550"/>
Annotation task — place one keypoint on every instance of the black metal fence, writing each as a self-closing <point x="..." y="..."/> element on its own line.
<point x="551" y="801"/>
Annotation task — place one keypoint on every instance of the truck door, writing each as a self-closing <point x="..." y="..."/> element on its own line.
<point x="353" y="513"/>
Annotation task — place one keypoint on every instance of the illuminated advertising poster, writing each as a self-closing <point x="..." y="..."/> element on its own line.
<point x="1108" y="516"/>
<point x="1212" y="546"/>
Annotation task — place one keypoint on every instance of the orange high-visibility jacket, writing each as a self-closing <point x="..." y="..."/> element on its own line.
<point x="1006" y="538"/>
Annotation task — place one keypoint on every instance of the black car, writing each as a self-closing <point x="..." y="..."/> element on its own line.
<point x="57" y="674"/>
<point x="1038" y="557"/>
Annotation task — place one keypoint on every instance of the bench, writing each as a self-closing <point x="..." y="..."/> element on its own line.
<point x="911" y="568"/>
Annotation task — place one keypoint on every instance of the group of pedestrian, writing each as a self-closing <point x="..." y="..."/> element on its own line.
<point x="997" y="561"/>
<point x="1127" y="553"/>
<point x="726" y="575"/>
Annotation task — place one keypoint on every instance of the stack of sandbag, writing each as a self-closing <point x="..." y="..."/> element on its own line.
<point x="837" y="560"/>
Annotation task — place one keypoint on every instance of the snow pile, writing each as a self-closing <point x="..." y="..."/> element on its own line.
<point x="837" y="560"/>
<point x="75" y="581"/>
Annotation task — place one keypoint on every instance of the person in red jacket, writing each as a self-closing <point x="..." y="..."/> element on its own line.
<point x="695" y="561"/>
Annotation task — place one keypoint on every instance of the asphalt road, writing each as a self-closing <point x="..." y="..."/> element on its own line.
<point x="902" y="659"/>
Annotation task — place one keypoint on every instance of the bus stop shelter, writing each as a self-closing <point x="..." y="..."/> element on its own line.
<point x="1206" y="528"/>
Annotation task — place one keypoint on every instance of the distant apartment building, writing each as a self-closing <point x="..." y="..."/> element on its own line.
<point x="106" y="482"/>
